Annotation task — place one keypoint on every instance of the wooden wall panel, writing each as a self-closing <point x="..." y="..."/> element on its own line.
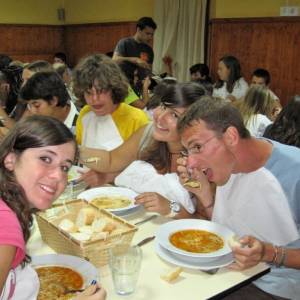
<point x="31" y="42"/>
<point x="84" y="39"/>
<point x="270" y="43"/>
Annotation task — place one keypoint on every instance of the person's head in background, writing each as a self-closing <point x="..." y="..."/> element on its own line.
<point x="145" y="28"/>
<point x="34" y="67"/>
<point x="158" y="91"/>
<point x="261" y="77"/>
<point x="46" y="94"/>
<point x="62" y="71"/>
<point x="100" y="82"/>
<point x="286" y="127"/>
<point x="60" y="57"/>
<point x="5" y="60"/>
<point x="258" y="100"/>
<point x="10" y="83"/>
<point x="229" y="71"/>
<point x="199" y="71"/>
<point x="135" y="75"/>
<point x="34" y="161"/>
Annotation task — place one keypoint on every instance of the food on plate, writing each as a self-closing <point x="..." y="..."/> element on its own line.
<point x="111" y="202"/>
<point x="172" y="274"/>
<point x="196" y="241"/>
<point x="193" y="184"/>
<point x="86" y="216"/>
<point x="67" y="225"/>
<point x="56" y="280"/>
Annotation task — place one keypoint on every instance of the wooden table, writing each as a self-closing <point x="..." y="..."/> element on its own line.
<point x="191" y="284"/>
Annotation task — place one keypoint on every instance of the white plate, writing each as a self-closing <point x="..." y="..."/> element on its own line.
<point x="111" y="191"/>
<point x="83" y="267"/>
<point x="169" y="228"/>
<point x="167" y="256"/>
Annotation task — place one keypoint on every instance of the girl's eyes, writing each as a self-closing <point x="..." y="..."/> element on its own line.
<point x="48" y="160"/>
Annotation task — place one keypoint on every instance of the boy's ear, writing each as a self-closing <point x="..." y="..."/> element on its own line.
<point x="10" y="161"/>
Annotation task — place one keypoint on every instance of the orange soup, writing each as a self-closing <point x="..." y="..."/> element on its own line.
<point x="54" y="280"/>
<point x="196" y="241"/>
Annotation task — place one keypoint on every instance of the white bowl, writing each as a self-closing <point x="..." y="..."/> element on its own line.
<point x="166" y="230"/>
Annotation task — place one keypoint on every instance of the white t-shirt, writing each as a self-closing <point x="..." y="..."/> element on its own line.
<point x="257" y="124"/>
<point x="239" y="90"/>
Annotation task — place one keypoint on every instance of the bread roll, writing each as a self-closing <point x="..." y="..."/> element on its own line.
<point x="99" y="225"/>
<point x="86" y="229"/>
<point x="85" y="216"/>
<point x="100" y="235"/>
<point x="171" y="275"/>
<point x="110" y="226"/>
<point x="81" y="236"/>
<point x="67" y="225"/>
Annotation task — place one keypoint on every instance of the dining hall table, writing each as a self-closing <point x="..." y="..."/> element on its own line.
<point x="191" y="284"/>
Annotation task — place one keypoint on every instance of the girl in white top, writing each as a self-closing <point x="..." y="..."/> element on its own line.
<point x="231" y="85"/>
<point x="256" y="109"/>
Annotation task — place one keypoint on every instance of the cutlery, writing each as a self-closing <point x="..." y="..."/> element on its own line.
<point x="145" y="241"/>
<point x="146" y="220"/>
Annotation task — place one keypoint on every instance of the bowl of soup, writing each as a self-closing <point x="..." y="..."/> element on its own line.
<point x="190" y="239"/>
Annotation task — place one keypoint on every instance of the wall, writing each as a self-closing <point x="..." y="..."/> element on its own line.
<point x="77" y="11"/>
<point x="243" y="8"/>
<point x="270" y="43"/>
<point x="30" y="12"/>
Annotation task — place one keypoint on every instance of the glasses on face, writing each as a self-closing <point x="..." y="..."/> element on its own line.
<point x="197" y="148"/>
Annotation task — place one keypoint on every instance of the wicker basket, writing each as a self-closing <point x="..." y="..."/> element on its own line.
<point x="95" y="251"/>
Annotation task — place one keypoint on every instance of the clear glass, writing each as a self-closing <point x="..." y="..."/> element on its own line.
<point x="125" y="263"/>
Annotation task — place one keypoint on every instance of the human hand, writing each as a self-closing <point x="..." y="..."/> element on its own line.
<point x="94" y="179"/>
<point x="91" y="293"/>
<point x="167" y="59"/>
<point x="154" y="202"/>
<point x="247" y="252"/>
<point x="142" y="63"/>
<point x="204" y="191"/>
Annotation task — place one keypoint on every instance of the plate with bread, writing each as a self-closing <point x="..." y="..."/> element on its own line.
<point x="58" y="273"/>
<point x="117" y="200"/>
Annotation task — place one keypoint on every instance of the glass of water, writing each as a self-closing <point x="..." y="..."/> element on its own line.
<point x="125" y="264"/>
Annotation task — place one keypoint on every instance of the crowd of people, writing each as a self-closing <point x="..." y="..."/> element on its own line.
<point x="232" y="137"/>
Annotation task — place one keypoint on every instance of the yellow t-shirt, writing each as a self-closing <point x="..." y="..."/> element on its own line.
<point x="127" y="119"/>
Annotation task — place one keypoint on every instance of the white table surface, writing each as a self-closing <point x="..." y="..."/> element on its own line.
<point x="191" y="284"/>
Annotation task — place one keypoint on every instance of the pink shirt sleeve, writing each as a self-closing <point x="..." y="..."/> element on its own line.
<point x="11" y="232"/>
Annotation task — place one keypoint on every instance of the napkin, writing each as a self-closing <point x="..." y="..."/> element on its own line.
<point x="142" y="177"/>
<point x="21" y="284"/>
<point x="100" y="132"/>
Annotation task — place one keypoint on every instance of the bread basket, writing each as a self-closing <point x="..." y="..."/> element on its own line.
<point x="61" y="241"/>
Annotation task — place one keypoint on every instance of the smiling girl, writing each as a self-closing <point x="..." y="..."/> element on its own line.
<point x="34" y="162"/>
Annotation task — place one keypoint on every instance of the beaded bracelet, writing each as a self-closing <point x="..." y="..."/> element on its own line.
<point x="275" y="254"/>
<point x="282" y="258"/>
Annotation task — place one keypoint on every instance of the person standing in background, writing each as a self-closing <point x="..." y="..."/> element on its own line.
<point x="137" y="49"/>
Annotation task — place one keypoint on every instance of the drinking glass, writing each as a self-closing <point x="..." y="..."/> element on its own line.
<point x="125" y="263"/>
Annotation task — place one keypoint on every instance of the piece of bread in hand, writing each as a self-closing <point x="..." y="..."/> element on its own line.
<point x="233" y="241"/>
<point x="67" y="225"/>
<point x="85" y="216"/>
<point x="172" y="274"/>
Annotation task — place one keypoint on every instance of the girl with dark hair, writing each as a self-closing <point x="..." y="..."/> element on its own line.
<point x="157" y="146"/>
<point x="46" y="146"/>
<point x="286" y="128"/>
<point x="231" y="85"/>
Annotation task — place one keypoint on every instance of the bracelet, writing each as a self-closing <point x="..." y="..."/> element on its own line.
<point x="275" y="248"/>
<point x="282" y="259"/>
